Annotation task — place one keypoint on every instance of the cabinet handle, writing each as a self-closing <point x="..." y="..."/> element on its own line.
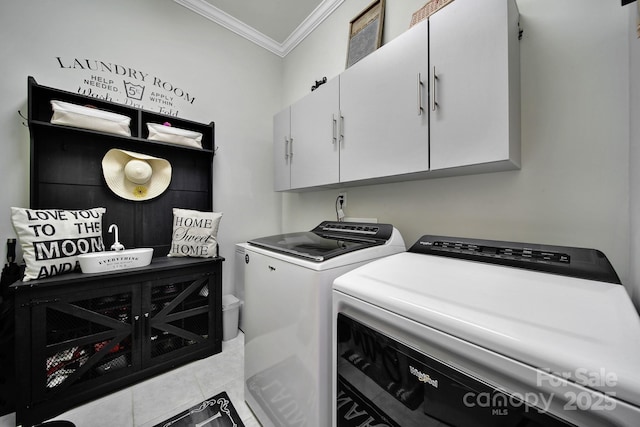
<point x="286" y="148"/>
<point x="135" y="328"/>
<point x="420" y="85"/>
<point x="334" y="133"/>
<point x="434" y="103"/>
<point x="291" y="148"/>
<point x="341" y="127"/>
<point x="147" y="325"/>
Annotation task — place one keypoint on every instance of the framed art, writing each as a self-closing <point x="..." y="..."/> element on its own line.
<point x="365" y="32"/>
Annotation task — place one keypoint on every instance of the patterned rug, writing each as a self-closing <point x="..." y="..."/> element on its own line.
<point x="217" y="411"/>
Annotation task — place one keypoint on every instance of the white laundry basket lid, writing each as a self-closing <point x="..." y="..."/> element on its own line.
<point x="229" y="302"/>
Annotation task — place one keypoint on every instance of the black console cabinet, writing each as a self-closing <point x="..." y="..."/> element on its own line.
<point x="80" y="336"/>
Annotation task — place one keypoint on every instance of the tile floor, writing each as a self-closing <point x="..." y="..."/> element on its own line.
<point x="156" y="399"/>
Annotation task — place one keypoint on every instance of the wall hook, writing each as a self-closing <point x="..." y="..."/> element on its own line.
<point x="520" y="31"/>
<point x="22" y="115"/>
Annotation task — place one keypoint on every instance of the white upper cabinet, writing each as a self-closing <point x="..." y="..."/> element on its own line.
<point x="443" y="98"/>
<point x="383" y="101"/>
<point x="305" y="140"/>
<point x="474" y="63"/>
<point x="314" y="147"/>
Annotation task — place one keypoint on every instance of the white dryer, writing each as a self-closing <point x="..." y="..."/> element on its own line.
<point x="287" y="315"/>
<point x="475" y="333"/>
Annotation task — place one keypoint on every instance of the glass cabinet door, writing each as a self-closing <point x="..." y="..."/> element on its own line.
<point x="84" y="338"/>
<point x="178" y="317"/>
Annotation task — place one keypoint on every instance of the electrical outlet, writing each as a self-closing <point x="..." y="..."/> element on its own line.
<point x="344" y="200"/>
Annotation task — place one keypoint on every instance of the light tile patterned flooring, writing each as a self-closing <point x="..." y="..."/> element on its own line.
<point x="156" y="399"/>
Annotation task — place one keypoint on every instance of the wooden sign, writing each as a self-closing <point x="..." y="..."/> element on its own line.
<point x="427" y="10"/>
<point x="365" y="32"/>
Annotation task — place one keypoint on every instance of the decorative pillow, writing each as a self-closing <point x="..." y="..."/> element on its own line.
<point x="166" y="133"/>
<point x="51" y="239"/>
<point x="194" y="233"/>
<point x="65" y="113"/>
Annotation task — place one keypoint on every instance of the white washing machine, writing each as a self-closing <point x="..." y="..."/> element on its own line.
<point x="476" y="333"/>
<point x="287" y="315"/>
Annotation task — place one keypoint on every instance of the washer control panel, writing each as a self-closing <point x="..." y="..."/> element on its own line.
<point x="568" y="261"/>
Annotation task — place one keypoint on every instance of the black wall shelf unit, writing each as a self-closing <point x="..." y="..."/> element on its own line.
<point x="66" y="168"/>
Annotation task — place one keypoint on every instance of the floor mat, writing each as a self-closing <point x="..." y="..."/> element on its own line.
<point x="217" y="411"/>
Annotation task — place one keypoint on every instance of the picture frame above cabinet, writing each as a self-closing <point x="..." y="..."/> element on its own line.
<point x="365" y="32"/>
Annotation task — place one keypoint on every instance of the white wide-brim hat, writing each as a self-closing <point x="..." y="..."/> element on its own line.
<point x="135" y="176"/>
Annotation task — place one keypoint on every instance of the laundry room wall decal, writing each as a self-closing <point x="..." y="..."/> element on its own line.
<point x="127" y="85"/>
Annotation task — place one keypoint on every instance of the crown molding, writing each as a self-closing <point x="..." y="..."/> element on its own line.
<point x="320" y="13"/>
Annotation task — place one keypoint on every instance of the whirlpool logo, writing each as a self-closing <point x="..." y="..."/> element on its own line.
<point x="425" y="378"/>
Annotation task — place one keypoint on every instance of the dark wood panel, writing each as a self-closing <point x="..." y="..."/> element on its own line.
<point x="72" y="157"/>
<point x="69" y="157"/>
<point x="85" y="310"/>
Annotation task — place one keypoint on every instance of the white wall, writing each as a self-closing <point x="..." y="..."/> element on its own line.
<point x="634" y="193"/>
<point x="235" y="83"/>
<point x="573" y="187"/>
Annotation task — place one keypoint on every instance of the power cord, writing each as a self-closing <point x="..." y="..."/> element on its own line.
<point x="339" y="211"/>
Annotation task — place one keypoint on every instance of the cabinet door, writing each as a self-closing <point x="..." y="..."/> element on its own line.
<point x="178" y="317"/>
<point x="281" y="139"/>
<point x="84" y="340"/>
<point x="313" y="152"/>
<point x="383" y="102"/>
<point x="469" y="44"/>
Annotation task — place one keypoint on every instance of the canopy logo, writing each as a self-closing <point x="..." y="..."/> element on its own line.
<point x="127" y="85"/>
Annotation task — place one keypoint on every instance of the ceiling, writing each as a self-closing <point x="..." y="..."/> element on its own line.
<point x="276" y="25"/>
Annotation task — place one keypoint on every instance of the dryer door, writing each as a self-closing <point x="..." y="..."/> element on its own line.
<point x="383" y="382"/>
